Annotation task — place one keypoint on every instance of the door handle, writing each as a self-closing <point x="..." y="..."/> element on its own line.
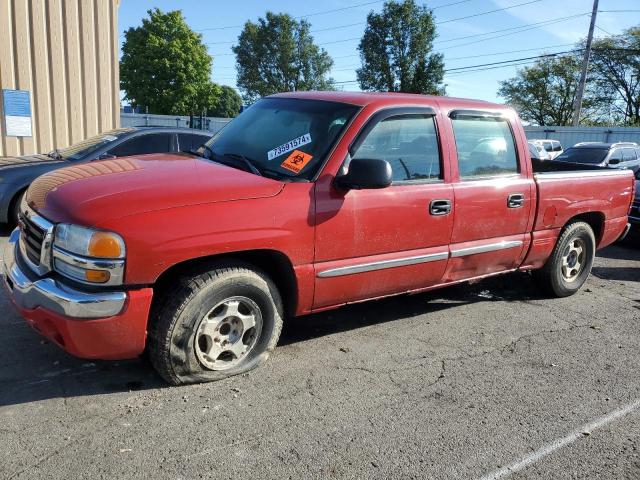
<point x="515" y="200"/>
<point x="440" y="207"/>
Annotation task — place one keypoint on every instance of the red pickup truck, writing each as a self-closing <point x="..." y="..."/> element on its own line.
<point x="305" y="202"/>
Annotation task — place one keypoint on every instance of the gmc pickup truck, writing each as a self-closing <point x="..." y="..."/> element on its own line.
<point x="305" y="202"/>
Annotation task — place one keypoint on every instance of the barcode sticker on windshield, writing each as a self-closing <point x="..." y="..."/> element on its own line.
<point x="289" y="146"/>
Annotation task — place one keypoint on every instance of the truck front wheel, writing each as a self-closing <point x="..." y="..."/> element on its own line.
<point x="215" y="324"/>
<point x="570" y="263"/>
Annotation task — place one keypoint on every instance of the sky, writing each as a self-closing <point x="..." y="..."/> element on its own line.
<point x="470" y="32"/>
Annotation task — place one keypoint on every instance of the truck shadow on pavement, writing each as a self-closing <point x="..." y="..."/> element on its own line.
<point x="33" y="369"/>
<point x="629" y="250"/>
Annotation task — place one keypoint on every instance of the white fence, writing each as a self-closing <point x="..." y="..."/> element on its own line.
<point x="212" y="124"/>
<point x="569" y="136"/>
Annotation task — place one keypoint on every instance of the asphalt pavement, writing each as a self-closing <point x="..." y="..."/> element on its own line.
<point x="490" y="380"/>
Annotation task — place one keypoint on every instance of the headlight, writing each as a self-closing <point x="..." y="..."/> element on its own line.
<point x="88" y="255"/>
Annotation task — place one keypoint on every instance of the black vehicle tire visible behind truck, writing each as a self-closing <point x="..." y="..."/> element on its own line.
<point x="570" y="263"/>
<point x="215" y="324"/>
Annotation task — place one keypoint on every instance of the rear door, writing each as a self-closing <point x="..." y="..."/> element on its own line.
<point x="629" y="158"/>
<point x="494" y="195"/>
<point x="371" y="243"/>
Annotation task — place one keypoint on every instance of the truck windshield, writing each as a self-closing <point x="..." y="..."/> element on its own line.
<point x="592" y="156"/>
<point x="283" y="137"/>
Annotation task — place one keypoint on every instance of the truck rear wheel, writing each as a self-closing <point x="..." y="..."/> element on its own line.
<point x="216" y="324"/>
<point x="570" y="263"/>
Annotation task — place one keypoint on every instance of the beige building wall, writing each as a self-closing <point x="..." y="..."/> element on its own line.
<point x="65" y="53"/>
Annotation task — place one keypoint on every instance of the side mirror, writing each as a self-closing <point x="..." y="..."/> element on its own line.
<point x="106" y="156"/>
<point x="366" y="174"/>
<point x="614" y="161"/>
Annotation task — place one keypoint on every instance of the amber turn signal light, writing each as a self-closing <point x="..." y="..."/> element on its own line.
<point x="104" y="245"/>
<point x="97" y="276"/>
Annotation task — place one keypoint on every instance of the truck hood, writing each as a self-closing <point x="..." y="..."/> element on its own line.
<point x="92" y="193"/>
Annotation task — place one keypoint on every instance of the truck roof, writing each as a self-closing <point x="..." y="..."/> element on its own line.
<point x="392" y="98"/>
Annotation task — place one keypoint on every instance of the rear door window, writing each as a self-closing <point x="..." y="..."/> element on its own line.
<point x="485" y="146"/>
<point x="190" y="141"/>
<point x="143" y="144"/>
<point x="629" y="154"/>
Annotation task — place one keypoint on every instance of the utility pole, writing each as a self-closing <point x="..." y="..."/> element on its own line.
<point x="577" y="106"/>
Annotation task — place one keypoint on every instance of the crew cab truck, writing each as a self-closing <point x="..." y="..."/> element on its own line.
<point x="305" y="202"/>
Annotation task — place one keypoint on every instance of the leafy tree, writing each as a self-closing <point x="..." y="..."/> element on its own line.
<point x="277" y="54"/>
<point x="165" y="66"/>
<point x="396" y="51"/>
<point x="227" y="104"/>
<point x="615" y="71"/>
<point x="544" y="93"/>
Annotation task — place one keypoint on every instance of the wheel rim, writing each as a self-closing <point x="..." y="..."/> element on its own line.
<point x="574" y="259"/>
<point x="227" y="333"/>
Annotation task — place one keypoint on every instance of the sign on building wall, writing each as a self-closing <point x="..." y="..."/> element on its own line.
<point x="17" y="113"/>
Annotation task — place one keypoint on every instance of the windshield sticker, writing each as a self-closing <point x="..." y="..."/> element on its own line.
<point x="290" y="145"/>
<point x="109" y="138"/>
<point x="296" y="161"/>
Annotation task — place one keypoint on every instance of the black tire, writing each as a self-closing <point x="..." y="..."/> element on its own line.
<point x="551" y="277"/>
<point x="14" y="208"/>
<point x="176" y="322"/>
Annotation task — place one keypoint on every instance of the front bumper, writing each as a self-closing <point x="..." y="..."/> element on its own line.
<point x="98" y="325"/>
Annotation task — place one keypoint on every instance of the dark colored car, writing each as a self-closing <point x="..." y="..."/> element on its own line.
<point x="611" y="155"/>
<point x="17" y="173"/>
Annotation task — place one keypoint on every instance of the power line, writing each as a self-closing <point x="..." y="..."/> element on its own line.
<point x="488" y="12"/>
<point x="506" y="34"/>
<point x="527" y="26"/>
<point x="476" y="56"/>
<point x="300" y="16"/>
<point x="326" y="12"/>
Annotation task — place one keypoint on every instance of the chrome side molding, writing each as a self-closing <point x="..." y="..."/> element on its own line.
<point x="432" y="257"/>
<point x="490" y="247"/>
<point x="383" y="264"/>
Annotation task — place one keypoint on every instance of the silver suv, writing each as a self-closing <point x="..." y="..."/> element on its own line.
<point x="612" y="155"/>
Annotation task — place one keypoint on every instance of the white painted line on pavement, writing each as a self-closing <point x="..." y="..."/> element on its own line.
<point x="563" y="442"/>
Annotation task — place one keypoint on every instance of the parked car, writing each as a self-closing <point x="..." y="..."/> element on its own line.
<point x="17" y="173"/>
<point x="538" y="153"/>
<point x="552" y="147"/>
<point x="612" y="155"/>
<point x="305" y="202"/>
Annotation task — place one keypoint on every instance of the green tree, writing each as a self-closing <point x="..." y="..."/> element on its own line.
<point x="227" y="104"/>
<point x="615" y="71"/>
<point x="396" y="51"/>
<point x="165" y="67"/>
<point x="277" y="54"/>
<point x="544" y="93"/>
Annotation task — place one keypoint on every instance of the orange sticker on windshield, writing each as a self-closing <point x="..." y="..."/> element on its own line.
<point x="296" y="161"/>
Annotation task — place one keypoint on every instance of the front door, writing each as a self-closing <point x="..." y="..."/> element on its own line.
<point x="494" y="196"/>
<point x="372" y="243"/>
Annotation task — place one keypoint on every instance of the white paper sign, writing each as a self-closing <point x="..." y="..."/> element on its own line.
<point x="289" y="146"/>
<point x="18" y="126"/>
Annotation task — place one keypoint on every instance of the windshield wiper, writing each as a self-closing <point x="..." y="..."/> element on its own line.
<point x="251" y="165"/>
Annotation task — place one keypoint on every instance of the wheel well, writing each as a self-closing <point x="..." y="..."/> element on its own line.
<point x="595" y="221"/>
<point x="275" y="264"/>
<point x="12" y="204"/>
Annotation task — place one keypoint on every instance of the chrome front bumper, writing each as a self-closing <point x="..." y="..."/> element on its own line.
<point x="30" y="292"/>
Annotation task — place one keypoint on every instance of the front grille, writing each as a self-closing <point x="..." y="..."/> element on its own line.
<point x="32" y="239"/>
